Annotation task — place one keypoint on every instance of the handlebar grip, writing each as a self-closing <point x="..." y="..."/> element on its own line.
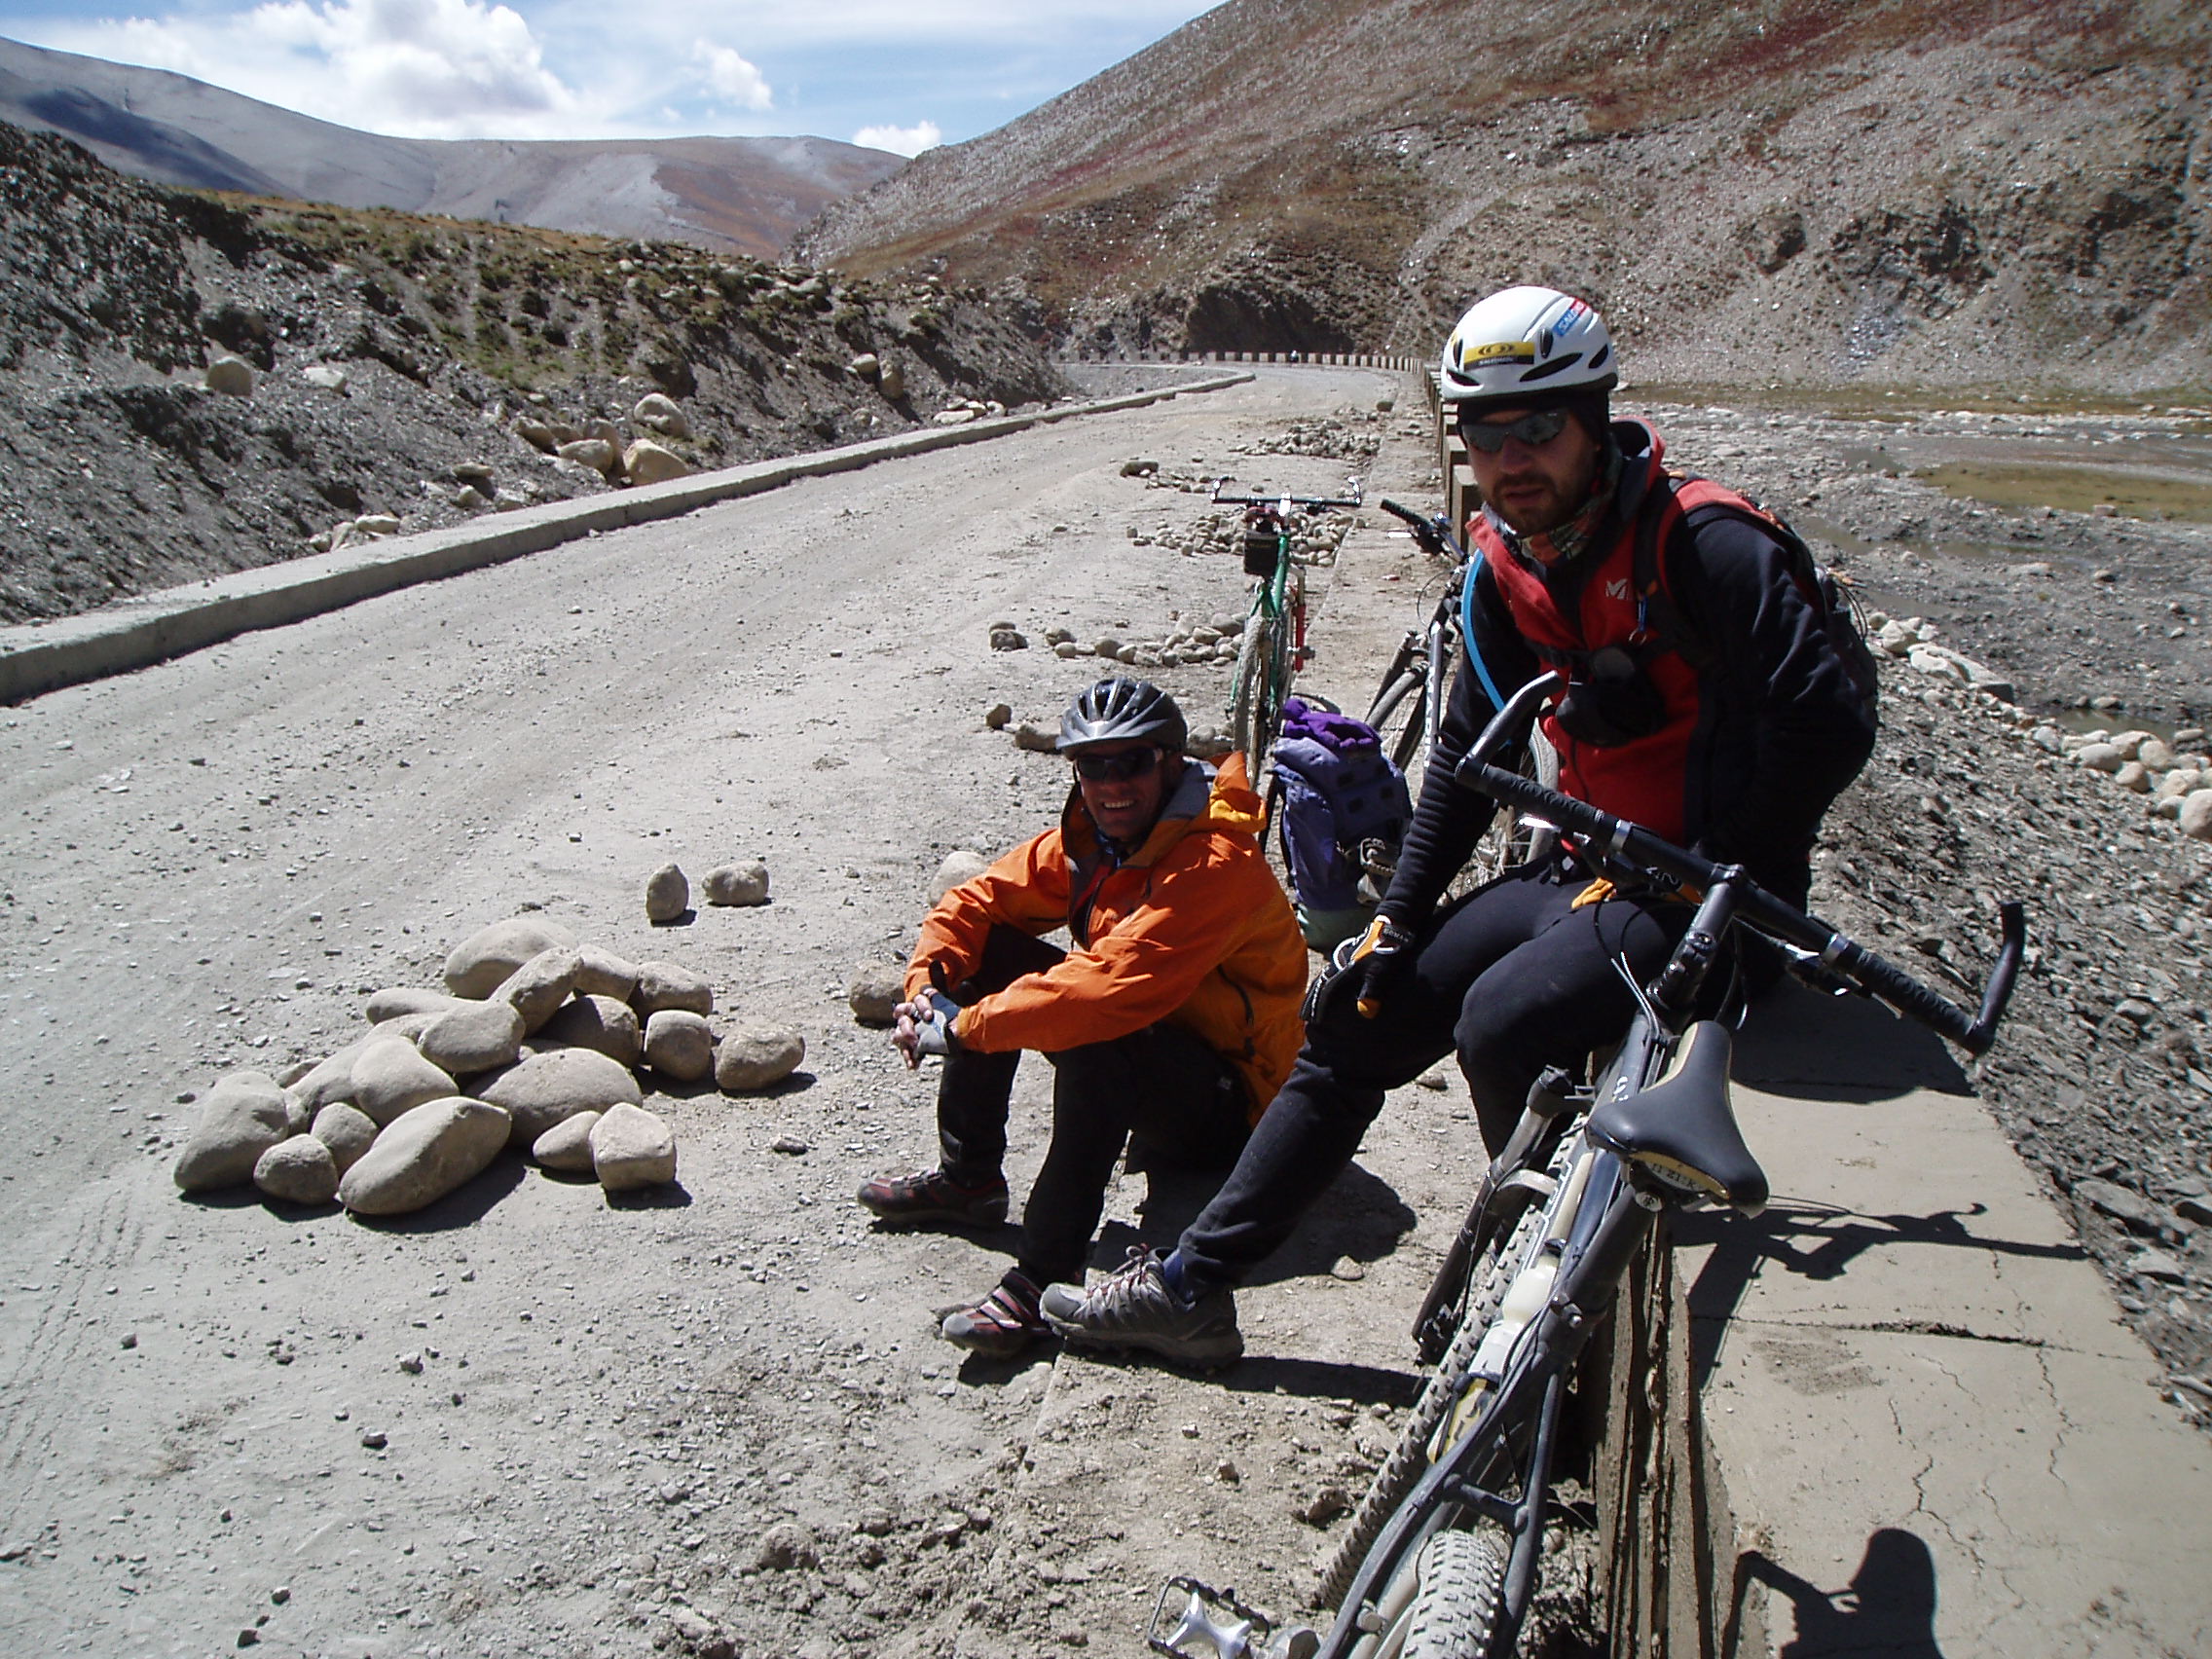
<point x="1407" y="513"/>
<point x="1908" y="996"/>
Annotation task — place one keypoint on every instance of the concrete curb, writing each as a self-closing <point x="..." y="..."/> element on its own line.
<point x="38" y="658"/>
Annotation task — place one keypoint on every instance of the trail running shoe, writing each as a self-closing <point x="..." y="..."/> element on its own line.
<point x="1001" y="1324"/>
<point x="934" y="1195"/>
<point x="1132" y="1307"/>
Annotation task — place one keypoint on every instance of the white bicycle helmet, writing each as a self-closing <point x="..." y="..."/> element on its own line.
<point x="1528" y="346"/>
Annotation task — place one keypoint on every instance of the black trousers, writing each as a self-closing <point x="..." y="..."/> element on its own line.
<point x="1174" y="1091"/>
<point x="1511" y="978"/>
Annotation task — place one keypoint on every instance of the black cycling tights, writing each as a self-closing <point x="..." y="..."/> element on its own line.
<point x="1511" y="978"/>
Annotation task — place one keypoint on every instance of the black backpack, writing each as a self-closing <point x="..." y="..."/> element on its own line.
<point x="1701" y="501"/>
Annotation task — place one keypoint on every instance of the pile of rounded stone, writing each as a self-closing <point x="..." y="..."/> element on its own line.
<point x="2175" y="776"/>
<point x="532" y="1043"/>
<point x="1194" y="642"/>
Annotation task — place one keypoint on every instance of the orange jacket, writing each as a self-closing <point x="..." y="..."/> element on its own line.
<point x="1192" y="928"/>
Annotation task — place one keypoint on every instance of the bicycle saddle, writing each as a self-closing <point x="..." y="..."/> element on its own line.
<point x="1682" y="1129"/>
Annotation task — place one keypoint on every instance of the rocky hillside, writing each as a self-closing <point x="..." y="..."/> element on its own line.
<point x="398" y="371"/>
<point x="1892" y="192"/>
<point x="732" y="195"/>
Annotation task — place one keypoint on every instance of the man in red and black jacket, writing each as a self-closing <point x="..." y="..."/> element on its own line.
<point x="1705" y="699"/>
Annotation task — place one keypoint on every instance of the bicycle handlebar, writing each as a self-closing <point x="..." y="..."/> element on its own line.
<point x="1433" y="534"/>
<point x="1621" y="841"/>
<point x="1285" y="499"/>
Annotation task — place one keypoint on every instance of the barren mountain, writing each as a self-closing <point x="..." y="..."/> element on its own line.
<point x="397" y="368"/>
<point x="733" y="195"/>
<point x="1892" y="192"/>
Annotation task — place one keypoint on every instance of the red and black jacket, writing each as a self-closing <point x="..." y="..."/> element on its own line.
<point x="1757" y="735"/>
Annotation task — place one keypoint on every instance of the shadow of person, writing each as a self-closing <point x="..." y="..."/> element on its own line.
<point x="1360" y="1216"/>
<point x="1889" y="1607"/>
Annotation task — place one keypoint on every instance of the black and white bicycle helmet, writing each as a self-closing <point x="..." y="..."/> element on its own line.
<point x="1528" y="348"/>
<point x="1121" y="711"/>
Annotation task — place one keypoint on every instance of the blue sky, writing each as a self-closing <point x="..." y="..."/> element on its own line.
<point x="900" y="74"/>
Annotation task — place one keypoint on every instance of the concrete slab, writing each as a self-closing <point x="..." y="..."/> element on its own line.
<point x="1935" y="1434"/>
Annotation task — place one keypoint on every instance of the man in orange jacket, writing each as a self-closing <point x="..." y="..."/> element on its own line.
<point x="1173" y="1013"/>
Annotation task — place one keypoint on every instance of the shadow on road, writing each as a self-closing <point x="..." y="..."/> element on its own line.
<point x="1889" y="1607"/>
<point x="1360" y="1216"/>
<point x="1801" y="1046"/>
<point x="1807" y="1047"/>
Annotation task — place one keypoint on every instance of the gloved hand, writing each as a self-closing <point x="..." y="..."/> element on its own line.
<point x="1384" y="959"/>
<point x="925" y="1026"/>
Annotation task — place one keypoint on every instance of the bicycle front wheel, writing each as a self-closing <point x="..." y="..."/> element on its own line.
<point x="1255" y="710"/>
<point x="1400" y="714"/>
<point x="1455" y="1608"/>
<point x="1447" y="1388"/>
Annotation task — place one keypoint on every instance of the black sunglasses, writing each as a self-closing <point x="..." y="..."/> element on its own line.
<point x="1534" y="430"/>
<point x="1112" y="768"/>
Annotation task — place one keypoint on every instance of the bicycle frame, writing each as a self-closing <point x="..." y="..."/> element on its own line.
<point x="1271" y="654"/>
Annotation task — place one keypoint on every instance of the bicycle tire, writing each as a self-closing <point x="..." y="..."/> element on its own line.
<point x="1255" y="710"/>
<point x="1399" y="715"/>
<point x="1512" y="838"/>
<point x="1409" y="1458"/>
<point x="1455" y="1608"/>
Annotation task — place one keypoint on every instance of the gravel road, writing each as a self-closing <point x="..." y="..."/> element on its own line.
<point x="720" y="1413"/>
<point x="714" y="1419"/>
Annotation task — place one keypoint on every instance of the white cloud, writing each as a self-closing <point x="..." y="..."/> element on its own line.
<point x="583" y="69"/>
<point x="731" y="77"/>
<point x="415" y="68"/>
<point x="900" y="140"/>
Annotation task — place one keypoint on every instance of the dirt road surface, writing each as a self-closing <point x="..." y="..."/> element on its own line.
<point x="717" y="1420"/>
<point x="715" y="1416"/>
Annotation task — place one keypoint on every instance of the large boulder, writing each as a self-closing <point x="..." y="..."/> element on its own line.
<point x="229" y="375"/>
<point x="667" y="895"/>
<point x="631" y="1147"/>
<point x="660" y="412"/>
<point x="566" y="1145"/>
<point x="482" y="961"/>
<point x="670" y="984"/>
<point x="2196" y="815"/>
<point x="743" y="883"/>
<point x="756" y="1056"/>
<point x="541" y="985"/>
<point x="594" y="1022"/>
<point x="958" y="865"/>
<point x="397" y="1002"/>
<point x="679" y="1045"/>
<point x="475" y="1037"/>
<point x="544" y="1089"/>
<point x="875" y="993"/>
<point x="299" y="1170"/>
<point x="391" y="1078"/>
<point x="328" y="1082"/>
<point x="602" y="974"/>
<point x="649" y="463"/>
<point x="425" y="1156"/>
<point x="347" y="1130"/>
<point x="244" y="1115"/>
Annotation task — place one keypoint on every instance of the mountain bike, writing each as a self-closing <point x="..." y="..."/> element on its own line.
<point x="1442" y="1557"/>
<point x="1273" y="647"/>
<point x="1408" y="703"/>
<point x="1408" y="706"/>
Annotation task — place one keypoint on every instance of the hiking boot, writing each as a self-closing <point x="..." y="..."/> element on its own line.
<point x="1001" y="1325"/>
<point x="934" y="1195"/>
<point x="1132" y="1307"/>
